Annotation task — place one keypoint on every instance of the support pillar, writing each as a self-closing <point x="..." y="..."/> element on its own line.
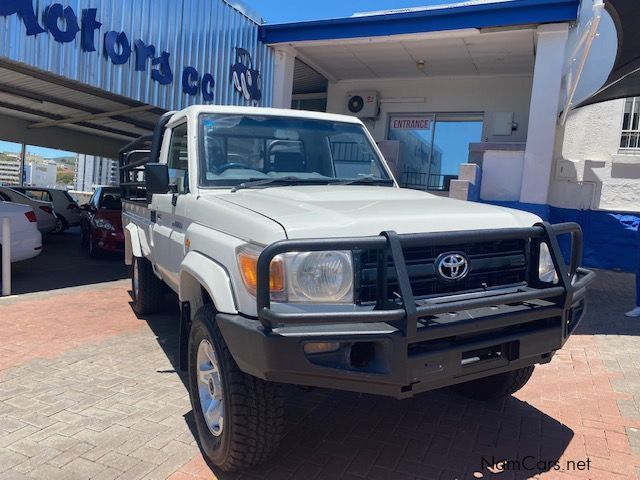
<point x="285" y="59"/>
<point x="543" y="113"/>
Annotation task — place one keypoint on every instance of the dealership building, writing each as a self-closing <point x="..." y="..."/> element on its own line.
<point x="469" y="99"/>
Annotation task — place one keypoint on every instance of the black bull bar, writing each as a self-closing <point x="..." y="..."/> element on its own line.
<point x="405" y="316"/>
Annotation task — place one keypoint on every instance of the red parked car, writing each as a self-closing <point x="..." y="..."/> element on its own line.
<point x="101" y="222"/>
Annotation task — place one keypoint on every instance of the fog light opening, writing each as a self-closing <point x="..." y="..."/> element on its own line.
<point x="314" y="348"/>
<point x="361" y="354"/>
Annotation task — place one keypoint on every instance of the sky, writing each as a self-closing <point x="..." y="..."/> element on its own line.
<point x="43" y="152"/>
<point x="277" y="11"/>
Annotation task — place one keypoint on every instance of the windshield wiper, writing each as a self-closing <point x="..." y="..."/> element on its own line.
<point x="290" y="180"/>
<point x="367" y="180"/>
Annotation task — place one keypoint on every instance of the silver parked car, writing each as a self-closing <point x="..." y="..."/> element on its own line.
<point x="66" y="208"/>
<point x="45" y="215"/>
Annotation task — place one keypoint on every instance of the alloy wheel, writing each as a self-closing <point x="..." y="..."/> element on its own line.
<point x="210" y="388"/>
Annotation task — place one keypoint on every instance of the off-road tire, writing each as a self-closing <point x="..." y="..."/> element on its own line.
<point x="253" y="408"/>
<point x="496" y="386"/>
<point x="147" y="298"/>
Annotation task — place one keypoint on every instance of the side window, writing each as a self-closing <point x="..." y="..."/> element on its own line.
<point x="178" y="160"/>
<point x="352" y="158"/>
<point x="41" y="195"/>
<point x="32" y="194"/>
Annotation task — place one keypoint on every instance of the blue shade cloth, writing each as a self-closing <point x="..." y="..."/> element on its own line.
<point x="611" y="239"/>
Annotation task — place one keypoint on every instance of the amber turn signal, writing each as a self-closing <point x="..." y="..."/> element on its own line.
<point x="248" y="263"/>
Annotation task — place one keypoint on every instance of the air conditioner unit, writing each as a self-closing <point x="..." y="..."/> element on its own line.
<point x="363" y="104"/>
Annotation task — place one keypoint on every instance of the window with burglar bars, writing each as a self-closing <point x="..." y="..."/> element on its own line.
<point x="630" y="138"/>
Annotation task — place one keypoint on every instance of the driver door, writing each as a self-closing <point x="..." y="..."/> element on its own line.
<point x="169" y="228"/>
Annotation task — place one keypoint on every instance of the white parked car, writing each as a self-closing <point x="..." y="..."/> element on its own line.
<point x="44" y="211"/>
<point x="26" y="239"/>
<point x="65" y="206"/>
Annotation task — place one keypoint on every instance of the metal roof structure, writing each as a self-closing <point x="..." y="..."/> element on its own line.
<point x="93" y="75"/>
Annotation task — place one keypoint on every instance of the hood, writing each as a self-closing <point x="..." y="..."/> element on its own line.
<point x="346" y="211"/>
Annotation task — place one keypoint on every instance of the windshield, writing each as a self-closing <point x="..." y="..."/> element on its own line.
<point x="240" y="148"/>
<point x="110" y="200"/>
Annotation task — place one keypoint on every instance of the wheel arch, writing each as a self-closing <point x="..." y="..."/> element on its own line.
<point x="132" y="246"/>
<point x="202" y="279"/>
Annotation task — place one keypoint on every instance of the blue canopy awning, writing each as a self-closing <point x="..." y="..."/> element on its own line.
<point x="453" y="16"/>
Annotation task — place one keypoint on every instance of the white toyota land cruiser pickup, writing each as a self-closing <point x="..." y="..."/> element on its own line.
<point x="297" y="259"/>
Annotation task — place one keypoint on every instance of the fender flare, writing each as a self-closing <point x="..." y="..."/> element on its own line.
<point x="132" y="246"/>
<point x="199" y="271"/>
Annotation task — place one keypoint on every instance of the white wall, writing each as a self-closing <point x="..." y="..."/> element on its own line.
<point x="40" y="174"/>
<point x="444" y="94"/>
<point x="599" y="176"/>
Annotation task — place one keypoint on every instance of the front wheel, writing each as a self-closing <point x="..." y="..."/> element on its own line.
<point x="495" y="386"/>
<point x="94" y="250"/>
<point x="239" y="418"/>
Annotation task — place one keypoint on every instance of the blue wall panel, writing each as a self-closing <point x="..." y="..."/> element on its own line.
<point x="199" y="33"/>
<point x="611" y="239"/>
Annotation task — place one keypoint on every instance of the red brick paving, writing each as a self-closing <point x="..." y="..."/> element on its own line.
<point x="46" y="326"/>
<point x="579" y="417"/>
<point x="568" y="411"/>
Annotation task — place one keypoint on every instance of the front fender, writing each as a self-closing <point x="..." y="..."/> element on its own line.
<point x="132" y="246"/>
<point x="198" y="271"/>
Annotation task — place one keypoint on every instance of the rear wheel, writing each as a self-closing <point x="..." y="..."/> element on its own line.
<point x="495" y="386"/>
<point x="61" y="224"/>
<point x="239" y="418"/>
<point x="147" y="288"/>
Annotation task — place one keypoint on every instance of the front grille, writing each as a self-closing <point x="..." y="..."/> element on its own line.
<point x="492" y="264"/>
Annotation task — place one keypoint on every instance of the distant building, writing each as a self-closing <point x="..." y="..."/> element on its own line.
<point x="40" y="174"/>
<point x="9" y="169"/>
<point x="92" y="171"/>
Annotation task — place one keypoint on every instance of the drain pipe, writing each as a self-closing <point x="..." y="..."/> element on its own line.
<point x="6" y="257"/>
<point x="586" y="41"/>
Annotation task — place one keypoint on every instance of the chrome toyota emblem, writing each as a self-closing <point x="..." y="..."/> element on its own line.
<point x="452" y="266"/>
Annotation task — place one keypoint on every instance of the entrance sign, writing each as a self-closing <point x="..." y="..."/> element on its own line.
<point x="411" y="123"/>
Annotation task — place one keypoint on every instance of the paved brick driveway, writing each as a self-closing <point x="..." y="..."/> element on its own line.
<point x="87" y="390"/>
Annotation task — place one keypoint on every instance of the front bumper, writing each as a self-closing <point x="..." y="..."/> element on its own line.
<point x="377" y="358"/>
<point x="109" y="241"/>
<point x="409" y="346"/>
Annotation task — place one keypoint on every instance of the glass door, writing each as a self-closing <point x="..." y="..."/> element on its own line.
<point x="415" y="134"/>
<point x="432" y="146"/>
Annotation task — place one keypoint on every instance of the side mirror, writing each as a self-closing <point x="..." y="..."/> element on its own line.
<point x="85" y="206"/>
<point x="156" y="178"/>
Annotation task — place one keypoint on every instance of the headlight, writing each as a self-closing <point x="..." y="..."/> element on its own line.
<point x="546" y="268"/>
<point x="322" y="277"/>
<point x="301" y="277"/>
<point x="103" y="223"/>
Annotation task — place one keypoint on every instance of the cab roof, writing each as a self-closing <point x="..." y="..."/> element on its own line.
<point x="196" y="110"/>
